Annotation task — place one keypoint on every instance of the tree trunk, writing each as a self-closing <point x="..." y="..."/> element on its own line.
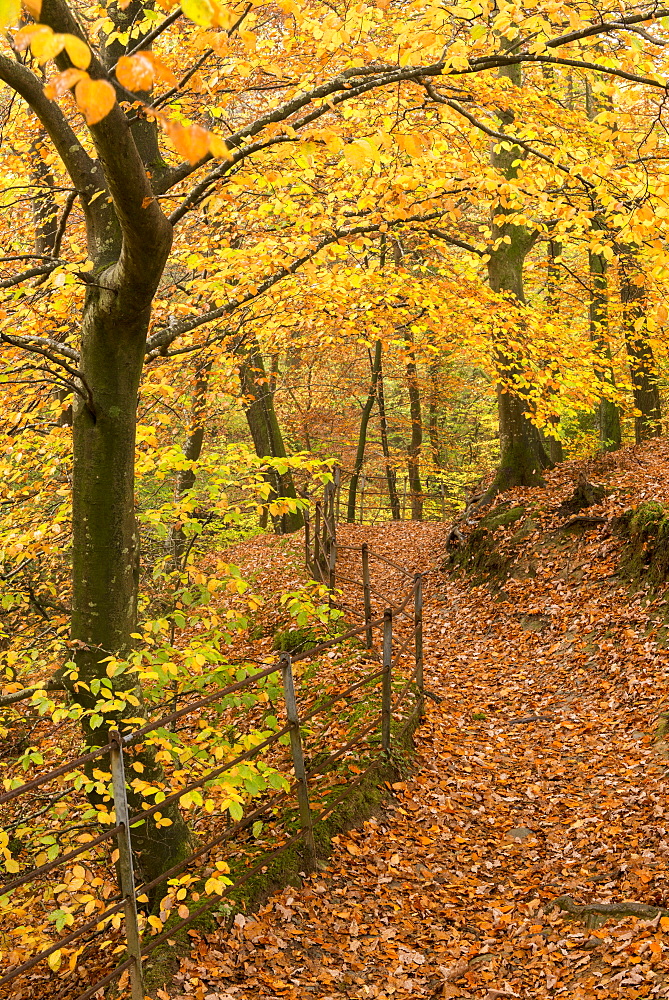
<point x="552" y="442"/>
<point x="639" y="349"/>
<point x="105" y="553"/>
<point x="608" y="418"/>
<point x="522" y="456"/>
<point x="375" y="365"/>
<point x="391" y="477"/>
<point x="265" y="431"/>
<point x="435" y="445"/>
<point x="416" y="442"/>
<point x="192" y="452"/>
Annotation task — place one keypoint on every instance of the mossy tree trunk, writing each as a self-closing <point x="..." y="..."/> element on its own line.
<point x="608" y="417"/>
<point x="391" y="477"/>
<point x="128" y="242"/>
<point x="643" y="369"/>
<point x="551" y="441"/>
<point x="433" y="424"/>
<point x="416" y="441"/>
<point x="375" y="365"/>
<point x="265" y="430"/>
<point x="192" y="452"/>
<point x="522" y="456"/>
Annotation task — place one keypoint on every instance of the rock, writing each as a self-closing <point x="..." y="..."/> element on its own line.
<point x="518" y="833"/>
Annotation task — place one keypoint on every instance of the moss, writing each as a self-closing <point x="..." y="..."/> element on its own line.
<point x="295" y="640"/>
<point x="500" y="518"/>
<point x="645" y="557"/>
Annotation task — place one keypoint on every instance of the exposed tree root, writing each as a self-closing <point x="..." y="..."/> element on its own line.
<point x="606" y="910"/>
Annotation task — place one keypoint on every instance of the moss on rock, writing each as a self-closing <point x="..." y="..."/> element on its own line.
<point x="645" y="557"/>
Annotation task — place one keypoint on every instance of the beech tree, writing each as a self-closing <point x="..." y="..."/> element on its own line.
<point x="145" y="183"/>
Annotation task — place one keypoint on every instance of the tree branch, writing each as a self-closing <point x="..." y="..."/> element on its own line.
<point x="79" y="165"/>
<point x="157" y="343"/>
<point x="11" y="699"/>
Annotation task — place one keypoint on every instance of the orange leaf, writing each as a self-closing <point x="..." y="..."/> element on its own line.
<point x="192" y="141"/>
<point x="138" y="72"/>
<point x="96" y="98"/>
<point x="135" y="72"/>
<point x="34" y="8"/>
<point x="22" y="38"/>
<point x="62" y="82"/>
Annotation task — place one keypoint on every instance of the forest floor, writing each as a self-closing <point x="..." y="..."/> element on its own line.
<point x="537" y="775"/>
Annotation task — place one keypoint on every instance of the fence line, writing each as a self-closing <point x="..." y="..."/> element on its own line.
<point x="433" y="501"/>
<point x="321" y="558"/>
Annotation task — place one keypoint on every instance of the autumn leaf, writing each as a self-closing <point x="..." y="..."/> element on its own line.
<point x="96" y="98"/>
<point x="10" y="13"/>
<point x="138" y="72"/>
<point x="62" y="82"/>
<point x="191" y="141"/>
<point x="361" y="153"/>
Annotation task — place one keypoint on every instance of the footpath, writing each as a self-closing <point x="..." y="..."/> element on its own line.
<point x="537" y="778"/>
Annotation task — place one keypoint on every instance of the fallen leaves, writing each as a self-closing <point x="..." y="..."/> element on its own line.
<point x="447" y="893"/>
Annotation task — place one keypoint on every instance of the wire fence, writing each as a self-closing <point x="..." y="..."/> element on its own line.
<point x="365" y="498"/>
<point x="380" y="696"/>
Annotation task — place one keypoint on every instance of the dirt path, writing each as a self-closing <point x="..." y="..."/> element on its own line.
<point x="536" y="776"/>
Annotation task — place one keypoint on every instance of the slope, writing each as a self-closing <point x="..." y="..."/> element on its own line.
<point x="538" y="778"/>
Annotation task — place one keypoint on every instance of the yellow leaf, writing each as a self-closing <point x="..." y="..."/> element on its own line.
<point x="12" y="866"/>
<point x="155" y="922"/>
<point x="10" y="13"/>
<point x="218" y="147"/>
<point x="202" y="12"/>
<point x="360" y="153"/>
<point x="62" y="82"/>
<point x="661" y="313"/>
<point x="78" y="51"/>
<point x="96" y="98"/>
<point x="54" y="961"/>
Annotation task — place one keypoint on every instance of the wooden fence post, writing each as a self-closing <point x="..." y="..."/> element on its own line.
<point x="386" y="691"/>
<point x="418" y="632"/>
<point x="367" y="594"/>
<point x="298" y="758"/>
<point x="126" y="875"/>
<point x="317" y="541"/>
<point x="362" y="496"/>
<point x="337" y="479"/>
<point x="307" y="541"/>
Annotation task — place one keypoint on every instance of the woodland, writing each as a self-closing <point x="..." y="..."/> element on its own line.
<point x="411" y="257"/>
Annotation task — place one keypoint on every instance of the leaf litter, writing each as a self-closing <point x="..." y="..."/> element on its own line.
<point x="537" y="776"/>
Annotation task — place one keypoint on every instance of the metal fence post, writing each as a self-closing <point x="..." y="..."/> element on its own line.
<point x="418" y="632"/>
<point x="126" y="875"/>
<point x="386" y="691"/>
<point x="367" y="594"/>
<point x="298" y="758"/>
